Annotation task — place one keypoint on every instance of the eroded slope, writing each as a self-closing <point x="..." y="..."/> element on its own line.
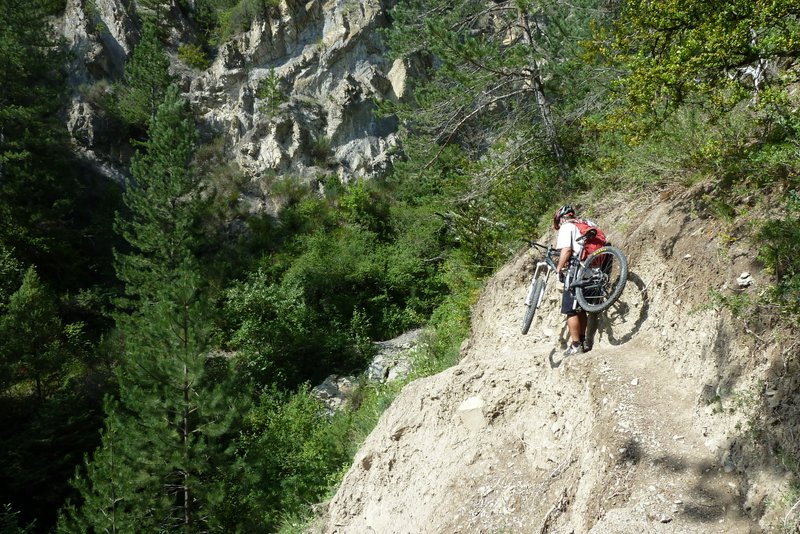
<point x="647" y="432"/>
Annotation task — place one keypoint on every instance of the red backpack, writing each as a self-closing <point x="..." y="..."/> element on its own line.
<point x="592" y="243"/>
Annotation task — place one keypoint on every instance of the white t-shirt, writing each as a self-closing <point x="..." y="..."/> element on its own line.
<point x="568" y="234"/>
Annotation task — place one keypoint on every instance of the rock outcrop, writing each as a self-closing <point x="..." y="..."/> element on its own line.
<point x="326" y="64"/>
<point x="392" y="362"/>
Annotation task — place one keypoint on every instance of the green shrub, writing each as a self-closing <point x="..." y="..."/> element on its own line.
<point x="320" y="150"/>
<point x="10" y="275"/>
<point x="364" y="206"/>
<point x="291" y="449"/>
<point x="450" y="321"/>
<point x="338" y="271"/>
<point x="99" y="94"/>
<point x="780" y="252"/>
<point x="270" y="92"/>
<point x="240" y="17"/>
<point x="740" y="305"/>
<point x="94" y="15"/>
<point x="194" y="56"/>
<point x="283" y="339"/>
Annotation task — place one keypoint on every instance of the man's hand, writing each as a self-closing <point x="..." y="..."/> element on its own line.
<point x="563" y="259"/>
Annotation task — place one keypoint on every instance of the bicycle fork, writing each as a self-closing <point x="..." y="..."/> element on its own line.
<point x="542" y="270"/>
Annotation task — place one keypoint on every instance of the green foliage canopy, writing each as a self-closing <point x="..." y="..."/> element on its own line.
<point x="30" y="331"/>
<point x="39" y="186"/>
<point x="713" y="53"/>
<point x="495" y="70"/>
<point x="780" y="251"/>
<point x="292" y="448"/>
<point x="176" y="416"/>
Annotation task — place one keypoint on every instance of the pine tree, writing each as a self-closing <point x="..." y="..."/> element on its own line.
<point x="38" y="185"/>
<point x="164" y="204"/>
<point x="164" y="449"/>
<point x="9" y="522"/>
<point x="168" y="430"/>
<point x="106" y="486"/>
<point x="30" y="330"/>
<point x="10" y="275"/>
<point x="498" y="70"/>
<point x="179" y="412"/>
<point x="145" y="80"/>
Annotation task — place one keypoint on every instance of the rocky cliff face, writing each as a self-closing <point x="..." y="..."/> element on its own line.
<point x="324" y="59"/>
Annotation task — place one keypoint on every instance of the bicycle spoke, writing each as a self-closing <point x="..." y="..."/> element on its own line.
<point x="604" y="280"/>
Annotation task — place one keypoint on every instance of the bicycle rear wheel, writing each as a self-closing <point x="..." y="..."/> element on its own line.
<point x="601" y="279"/>
<point x="534" y="297"/>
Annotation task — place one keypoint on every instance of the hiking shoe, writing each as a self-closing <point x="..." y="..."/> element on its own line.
<point x="574" y="349"/>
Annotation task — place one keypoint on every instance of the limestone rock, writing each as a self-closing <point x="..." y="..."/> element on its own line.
<point x="331" y="69"/>
<point x="333" y="392"/>
<point x="745" y="280"/>
<point x="391" y="363"/>
<point x="471" y="413"/>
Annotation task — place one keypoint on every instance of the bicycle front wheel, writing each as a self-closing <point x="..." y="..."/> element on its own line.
<point x="601" y="279"/>
<point x="533" y="298"/>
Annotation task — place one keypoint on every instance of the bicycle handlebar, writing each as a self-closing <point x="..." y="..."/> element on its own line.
<point x="550" y="253"/>
<point x="534" y="244"/>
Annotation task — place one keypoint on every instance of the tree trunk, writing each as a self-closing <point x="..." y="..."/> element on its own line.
<point x="187" y="495"/>
<point x="550" y="129"/>
<point x="545" y="113"/>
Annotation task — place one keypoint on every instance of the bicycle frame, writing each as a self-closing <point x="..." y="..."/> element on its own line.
<point x="540" y="266"/>
<point x="575" y="266"/>
<point x="585" y="282"/>
<point x="543" y="270"/>
<point x="547" y="266"/>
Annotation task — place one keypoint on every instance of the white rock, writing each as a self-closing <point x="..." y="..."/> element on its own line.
<point x="745" y="280"/>
<point x="331" y="70"/>
<point x="471" y="413"/>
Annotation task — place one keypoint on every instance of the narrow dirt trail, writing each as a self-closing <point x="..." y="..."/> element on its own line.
<point x="661" y="476"/>
<point x="602" y="443"/>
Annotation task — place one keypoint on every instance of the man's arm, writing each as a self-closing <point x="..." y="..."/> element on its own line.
<point x="563" y="259"/>
<point x="564" y="242"/>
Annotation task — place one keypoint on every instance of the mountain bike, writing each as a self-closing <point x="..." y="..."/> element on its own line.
<point x="597" y="281"/>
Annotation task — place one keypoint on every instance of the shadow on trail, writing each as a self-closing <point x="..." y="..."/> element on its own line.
<point x="551" y="358"/>
<point x="624" y="319"/>
<point x="705" y="500"/>
<point x="617" y="325"/>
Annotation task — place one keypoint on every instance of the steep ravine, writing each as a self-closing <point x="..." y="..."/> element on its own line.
<point x="648" y="432"/>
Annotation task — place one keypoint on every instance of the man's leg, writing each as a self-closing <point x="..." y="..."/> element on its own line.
<point x="576" y="326"/>
<point x="574" y="323"/>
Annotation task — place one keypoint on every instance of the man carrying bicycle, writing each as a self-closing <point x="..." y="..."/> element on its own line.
<point x="567" y="242"/>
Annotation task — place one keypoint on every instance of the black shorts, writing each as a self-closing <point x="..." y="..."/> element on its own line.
<point x="569" y="304"/>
